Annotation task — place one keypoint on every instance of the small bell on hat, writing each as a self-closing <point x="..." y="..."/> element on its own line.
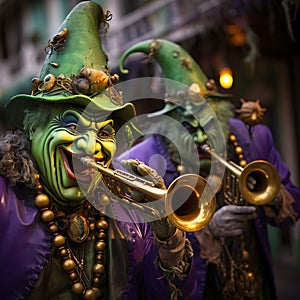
<point x="75" y="70"/>
<point x="186" y="81"/>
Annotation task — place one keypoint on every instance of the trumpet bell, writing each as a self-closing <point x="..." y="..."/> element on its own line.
<point x="190" y="203"/>
<point x="267" y="182"/>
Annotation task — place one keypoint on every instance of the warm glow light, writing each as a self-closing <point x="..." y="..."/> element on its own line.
<point x="226" y="79"/>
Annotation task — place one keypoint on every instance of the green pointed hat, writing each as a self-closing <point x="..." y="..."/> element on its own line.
<point x="75" y="70"/>
<point x="178" y="66"/>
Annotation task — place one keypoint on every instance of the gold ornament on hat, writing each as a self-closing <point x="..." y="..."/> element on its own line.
<point x="154" y="46"/>
<point x="58" y="42"/>
<point x="89" y="81"/>
<point x="251" y="113"/>
<point x="194" y="92"/>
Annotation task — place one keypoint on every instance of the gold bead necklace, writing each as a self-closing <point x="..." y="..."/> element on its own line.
<point x="238" y="150"/>
<point x="69" y="262"/>
<point x="240" y="282"/>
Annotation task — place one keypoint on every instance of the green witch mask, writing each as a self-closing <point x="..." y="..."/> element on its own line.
<point x="58" y="145"/>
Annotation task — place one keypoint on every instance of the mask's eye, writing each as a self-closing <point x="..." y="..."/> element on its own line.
<point x="210" y="124"/>
<point x="71" y="127"/>
<point x="191" y="129"/>
<point x="106" y="132"/>
<point x="70" y="122"/>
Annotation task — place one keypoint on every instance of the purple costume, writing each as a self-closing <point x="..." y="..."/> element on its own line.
<point x="26" y="248"/>
<point x="259" y="145"/>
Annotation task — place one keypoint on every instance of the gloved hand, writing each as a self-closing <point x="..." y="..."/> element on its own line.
<point x="162" y="228"/>
<point x="231" y="220"/>
<point x="174" y="250"/>
<point x="142" y="170"/>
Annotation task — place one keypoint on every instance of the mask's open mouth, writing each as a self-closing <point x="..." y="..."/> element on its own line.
<point x="75" y="169"/>
<point x="203" y="154"/>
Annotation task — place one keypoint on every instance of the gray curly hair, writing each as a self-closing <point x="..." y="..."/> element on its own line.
<point x="16" y="161"/>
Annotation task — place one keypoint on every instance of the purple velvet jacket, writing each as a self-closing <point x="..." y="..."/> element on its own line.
<point x="259" y="146"/>
<point x="26" y="247"/>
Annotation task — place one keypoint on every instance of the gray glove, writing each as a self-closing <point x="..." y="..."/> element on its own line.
<point x="231" y="220"/>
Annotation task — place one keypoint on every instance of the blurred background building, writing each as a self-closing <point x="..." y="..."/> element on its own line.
<point x="258" y="40"/>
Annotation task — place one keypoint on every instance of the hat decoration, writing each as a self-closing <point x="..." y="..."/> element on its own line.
<point x="75" y="70"/>
<point x="187" y="81"/>
<point x="87" y="81"/>
<point x="251" y="112"/>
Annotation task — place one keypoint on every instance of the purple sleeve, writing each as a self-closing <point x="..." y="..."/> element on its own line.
<point x="265" y="149"/>
<point x="156" y="285"/>
<point x="147" y="281"/>
<point x="25" y="248"/>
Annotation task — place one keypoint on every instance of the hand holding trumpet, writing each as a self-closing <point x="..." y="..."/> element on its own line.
<point x="173" y="247"/>
<point x="162" y="228"/>
<point x="189" y="202"/>
<point x="231" y="220"/>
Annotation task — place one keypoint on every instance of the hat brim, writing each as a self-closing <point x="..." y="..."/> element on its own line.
<point x="18" y="104"/>
<point x="171" y="106"/>
<point x="167" y="108"/>
<point x="218" y="95"/>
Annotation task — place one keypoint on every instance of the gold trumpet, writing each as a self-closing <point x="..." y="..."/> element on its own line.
<point x="265" y="175"/>
<point x="191" y="215"/>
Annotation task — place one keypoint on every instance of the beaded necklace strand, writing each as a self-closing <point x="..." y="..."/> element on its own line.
<point x="240" y="275"/>
<point x="70" y="263"/>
